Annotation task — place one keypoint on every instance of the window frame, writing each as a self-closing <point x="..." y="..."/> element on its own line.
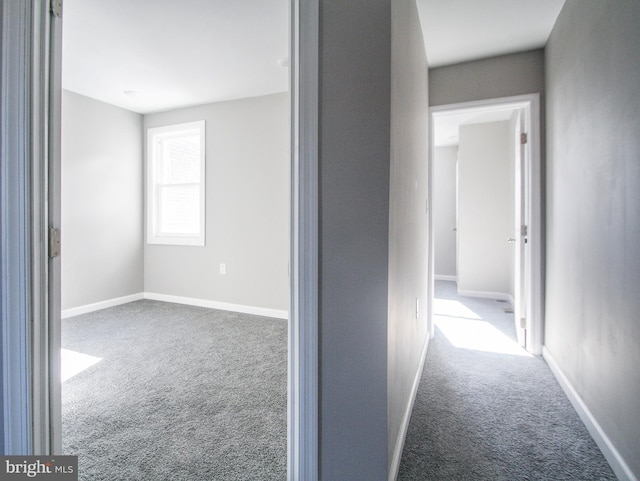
<point x="152" y="204"/>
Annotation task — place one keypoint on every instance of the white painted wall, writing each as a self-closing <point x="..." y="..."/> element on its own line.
<point x="484" y="215"/>
<point x="444" y="209"/>
<point x="593" y="214"/>
<point x="102" y="204"/>
<point x="104" y="254"/>
<point x="247" y="208"/>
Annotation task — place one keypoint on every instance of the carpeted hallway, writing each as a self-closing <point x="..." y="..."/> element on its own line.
<point x="176" y="393"/>
<point x="485" y="410"/>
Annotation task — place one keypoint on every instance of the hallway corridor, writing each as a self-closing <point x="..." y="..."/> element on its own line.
<point x="487" y="410"/>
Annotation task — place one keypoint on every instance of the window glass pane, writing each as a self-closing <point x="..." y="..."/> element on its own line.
<point x="176" y="184"/>
<point x="179" y="211"/>
<point x="180" y="159"/>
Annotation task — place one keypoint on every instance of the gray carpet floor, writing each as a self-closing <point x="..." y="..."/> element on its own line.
<point x="181" y="393"/>
<point x="483" y="415"/>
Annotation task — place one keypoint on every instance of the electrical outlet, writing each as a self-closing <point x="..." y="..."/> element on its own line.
<point x="223" y="268"/>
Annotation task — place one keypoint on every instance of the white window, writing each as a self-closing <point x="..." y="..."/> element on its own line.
<point x="176" y="184"/>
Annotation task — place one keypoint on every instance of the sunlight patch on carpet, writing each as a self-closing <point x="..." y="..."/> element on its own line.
<point x="75" y="362"/>
<point x="454" y="309"/>
<point x="465" y="329"/>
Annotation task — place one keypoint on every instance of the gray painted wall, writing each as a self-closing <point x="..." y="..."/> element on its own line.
<point x="593" y="212"/>
<point x="247" y="208"/>
<point x="101" y="201"/>
<point x="444" y="209"/>
<point x="485" y="201"/>
<point x="503" y="76"/>
<point x="354" y="81"/>
<point x="408" y="219"/>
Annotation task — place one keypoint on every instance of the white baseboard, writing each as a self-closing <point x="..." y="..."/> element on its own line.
<point x="258" y="311"/>
<point x="96" y="306"/>
<point x="225" y="306"/>
<point x="404" y="426"/>
<point x="613" y="456"/>
<point x="442" y="277"/>
<point x="502" y="296"/>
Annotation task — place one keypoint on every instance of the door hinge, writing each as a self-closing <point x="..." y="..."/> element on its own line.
<point x="54" y="242"/>
<point x="524" y="138"/>
<point x="523" y="323"/>
<point x="56" y="7"/>
<point x="524" y="230"/>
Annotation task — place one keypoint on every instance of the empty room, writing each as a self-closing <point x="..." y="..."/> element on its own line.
<point x="175" y="235"/>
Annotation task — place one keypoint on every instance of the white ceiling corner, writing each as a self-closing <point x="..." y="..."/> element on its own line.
<point x="461" y="30"/>
<point x="168" y="54"/>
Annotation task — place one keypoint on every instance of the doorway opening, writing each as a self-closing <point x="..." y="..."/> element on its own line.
<point x="243" y="228"/>
<point x="487" y="215"/>
<point x="35" y="428"/>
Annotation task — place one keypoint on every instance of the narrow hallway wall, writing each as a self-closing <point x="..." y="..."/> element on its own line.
<point x="593" y="213"/>
<point x="408" y="220"/>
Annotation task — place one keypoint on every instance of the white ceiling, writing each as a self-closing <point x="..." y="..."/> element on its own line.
<point x="154" y="55"/>
<point x="173" y="53"/>
<point x="460" y="30"/>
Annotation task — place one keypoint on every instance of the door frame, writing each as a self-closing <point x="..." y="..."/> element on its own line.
<point x="303" y="392"/>
<point x="29" y="140"/>
<point x="530" y="104"/>
<point x="16" y="230"/>
<point x="31" y="391"/>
